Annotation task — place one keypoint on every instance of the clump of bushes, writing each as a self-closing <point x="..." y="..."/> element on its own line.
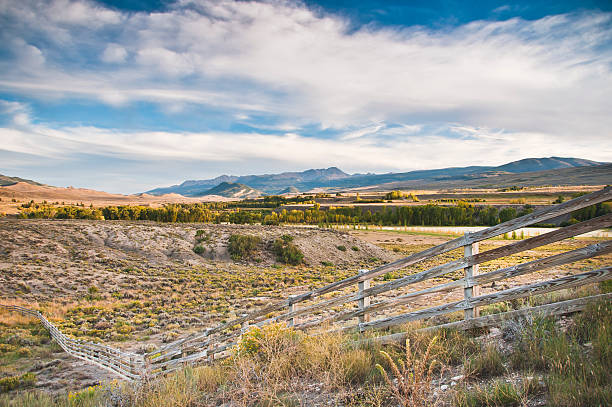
<point x="203" y="236"/>
<point x="342" y="248"/>
<point x="498" y="393"/>
<point x="199" y="249"/>
<point x="575" y="377"/>
<point x="486" y="363"/>
<point x="17" y="382"/>
<point x="287" y="252"/>
<point x="241" y="246"/>
<point x="93" y="293"/>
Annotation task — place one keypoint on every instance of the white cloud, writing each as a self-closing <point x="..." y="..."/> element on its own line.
<point x="18" y="113"/>
<point x="114" y="53"/>
<point x="366" y="153"/>
<point x="540" y="75"/>
<point x="362" y="132"/>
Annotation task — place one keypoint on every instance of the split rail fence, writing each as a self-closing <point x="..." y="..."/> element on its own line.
<point x="127" y="365"/>
<point x="317" y="309"/>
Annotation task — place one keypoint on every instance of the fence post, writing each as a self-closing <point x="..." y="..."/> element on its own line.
<point x="291" y="321"/>
<point x="470" y="290"/>
<point x="365" y="301"/>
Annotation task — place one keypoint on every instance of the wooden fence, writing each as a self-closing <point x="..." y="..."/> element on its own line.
<point x="127" y="365"/>
<point x="333" y="306"/>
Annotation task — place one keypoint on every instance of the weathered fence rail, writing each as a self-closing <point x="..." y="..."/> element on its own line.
<point x="127" y="365"/>
<point x="214" y="343"/>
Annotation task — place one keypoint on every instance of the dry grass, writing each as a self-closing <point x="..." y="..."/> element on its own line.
<point x="413" y="376"/>
<point x="12" y="319"/>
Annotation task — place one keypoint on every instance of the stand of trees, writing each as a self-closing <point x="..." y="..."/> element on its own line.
<point x="462" y="214"/>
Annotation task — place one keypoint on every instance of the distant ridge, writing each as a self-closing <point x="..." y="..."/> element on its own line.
<point x="290" y="190"/>
<point x="543" y="164"/>
<point x="333" y="177"/>
<point x="233" y="190"/>
<point x="6" y="181"/>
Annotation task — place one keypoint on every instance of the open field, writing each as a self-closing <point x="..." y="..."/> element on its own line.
<point x="135" y="285"/>
<point x="12" y="196"/>
<point x="460" y="230"/>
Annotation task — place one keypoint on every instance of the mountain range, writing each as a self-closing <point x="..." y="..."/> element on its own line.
<point x="333" y="177"/>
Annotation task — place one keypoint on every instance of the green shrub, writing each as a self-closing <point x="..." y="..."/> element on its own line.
<point x="529" y="353"/>
<point x="241" y="246"/>
<point x="262" y="342"/>
<point x="355" y="248"/>
<point x="341" y="248"/>
<point x="17" y="382"/>
<point x="576" y="376"/>
<point x="498" y="393"/>
<point x="486" y="363"/>
<point x="199" y="249"/>
<point x="203" y="236"/>
<point x="605" y="286"/>
<point x="286" y="252"/>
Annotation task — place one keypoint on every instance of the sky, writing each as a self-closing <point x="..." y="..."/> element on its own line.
<point x="125" y="96"/>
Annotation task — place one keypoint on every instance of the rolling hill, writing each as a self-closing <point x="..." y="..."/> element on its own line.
<point x="233" y="190"/>
<point x="590" y="175"/>
<point x="6" y="181"/>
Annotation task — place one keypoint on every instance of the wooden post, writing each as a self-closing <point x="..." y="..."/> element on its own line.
<point x="291" y="321"/>
<point x="470" y="290"/>
<point x="365" y="301"/>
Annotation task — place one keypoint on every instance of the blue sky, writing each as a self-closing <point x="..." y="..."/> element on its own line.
<point x="129" y="95"/>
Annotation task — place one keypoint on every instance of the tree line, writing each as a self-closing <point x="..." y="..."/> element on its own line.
<point x="462" y="214"/>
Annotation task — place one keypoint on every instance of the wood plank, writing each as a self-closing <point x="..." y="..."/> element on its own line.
<point x="517" y="247"/>
<point x="506" y="295"/>
<point x="364" y="302"/>
<point x="557" y="308"/>
<point x="582" y="253"/>
<point x="564" y="258"/>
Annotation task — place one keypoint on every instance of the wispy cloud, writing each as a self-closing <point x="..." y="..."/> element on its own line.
<point x="224" y="149"/>
<point x="281" y="57"/>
